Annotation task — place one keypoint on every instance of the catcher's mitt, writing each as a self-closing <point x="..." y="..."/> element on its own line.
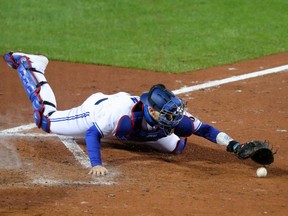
<point x="258" y="151"/>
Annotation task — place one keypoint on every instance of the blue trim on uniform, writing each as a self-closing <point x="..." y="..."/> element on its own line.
<point x="92" y="138"/>
<point x="101" y="100"/>
<point x="208" y="132"/>
<point x="98" y="128"/>
<point x="71" y="118"/>
<point x="196" y="129"/>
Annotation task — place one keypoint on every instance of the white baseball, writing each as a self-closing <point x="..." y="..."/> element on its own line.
<point x="261" y="172"/>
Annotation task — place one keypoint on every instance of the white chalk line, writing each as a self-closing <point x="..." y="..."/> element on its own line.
<point x="231" y="79"/>
<point x="80" y="155"/>
<point x="69" y="142"/>
<point x="53" y="182"/>
<point x="9" y="134"/>
<point x="16" y="129"/>
<point x="72" y="146"/>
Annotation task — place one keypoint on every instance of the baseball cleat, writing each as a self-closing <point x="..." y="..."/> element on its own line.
<point x="38" y="62"/>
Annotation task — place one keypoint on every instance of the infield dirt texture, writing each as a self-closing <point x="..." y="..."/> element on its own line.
<point x="41" y="176"/>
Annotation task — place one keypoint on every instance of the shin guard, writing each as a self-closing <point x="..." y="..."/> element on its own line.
<point x="32" y="87"/>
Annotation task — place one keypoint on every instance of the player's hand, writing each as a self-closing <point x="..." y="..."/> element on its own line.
<point x="98" y="170"/>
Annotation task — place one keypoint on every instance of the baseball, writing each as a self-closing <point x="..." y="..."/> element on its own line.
<point x="261" y="172"/>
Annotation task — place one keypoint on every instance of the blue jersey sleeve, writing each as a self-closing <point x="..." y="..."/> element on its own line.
<point x="92" y="138"/>
<point x="207" y="131"/>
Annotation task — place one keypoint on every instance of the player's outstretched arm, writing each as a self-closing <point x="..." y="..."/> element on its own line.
<point x="93" y="145"/>
<point x="213" y="134"/>
<point x="98" y="170"/>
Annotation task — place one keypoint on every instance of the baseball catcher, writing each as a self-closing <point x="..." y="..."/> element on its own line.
<point x="157" y="118"/>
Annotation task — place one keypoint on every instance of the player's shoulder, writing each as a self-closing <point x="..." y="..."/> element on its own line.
<point x="124" y="96"/>
<point x="121" y="104"/>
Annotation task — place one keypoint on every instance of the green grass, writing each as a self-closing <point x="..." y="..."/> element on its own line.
<point x="159" y="35"/>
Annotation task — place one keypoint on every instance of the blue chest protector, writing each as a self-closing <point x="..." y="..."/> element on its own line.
<point x="131" y="128"/>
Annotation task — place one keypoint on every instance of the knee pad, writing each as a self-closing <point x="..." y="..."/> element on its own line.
<point x="42" y="121"/>
<point x="45" y="124"/>
<point x="180" y="146"/>
<point x="37" y="118"/>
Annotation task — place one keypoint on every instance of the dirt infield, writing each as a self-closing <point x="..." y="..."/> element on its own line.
<point x="40" y="176"/>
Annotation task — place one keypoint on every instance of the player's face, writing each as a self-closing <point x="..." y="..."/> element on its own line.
<point x="154" y="114"/>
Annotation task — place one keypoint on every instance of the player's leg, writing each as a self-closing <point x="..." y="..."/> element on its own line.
<point x="31" y="69"/>
<point x="70" y="122"/>
<point x="169" y="144"/>
<point x="78" y="120"/>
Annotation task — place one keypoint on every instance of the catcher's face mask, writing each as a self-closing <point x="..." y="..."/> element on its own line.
<point x="171" y="113"/>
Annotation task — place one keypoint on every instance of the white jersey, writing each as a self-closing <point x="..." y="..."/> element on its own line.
<point x="101" y="110"/>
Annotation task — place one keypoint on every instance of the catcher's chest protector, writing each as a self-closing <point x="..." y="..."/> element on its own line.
<point x="138" y="134"/>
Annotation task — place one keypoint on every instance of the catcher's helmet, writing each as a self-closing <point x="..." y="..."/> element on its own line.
<point x="170" y="107"/>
